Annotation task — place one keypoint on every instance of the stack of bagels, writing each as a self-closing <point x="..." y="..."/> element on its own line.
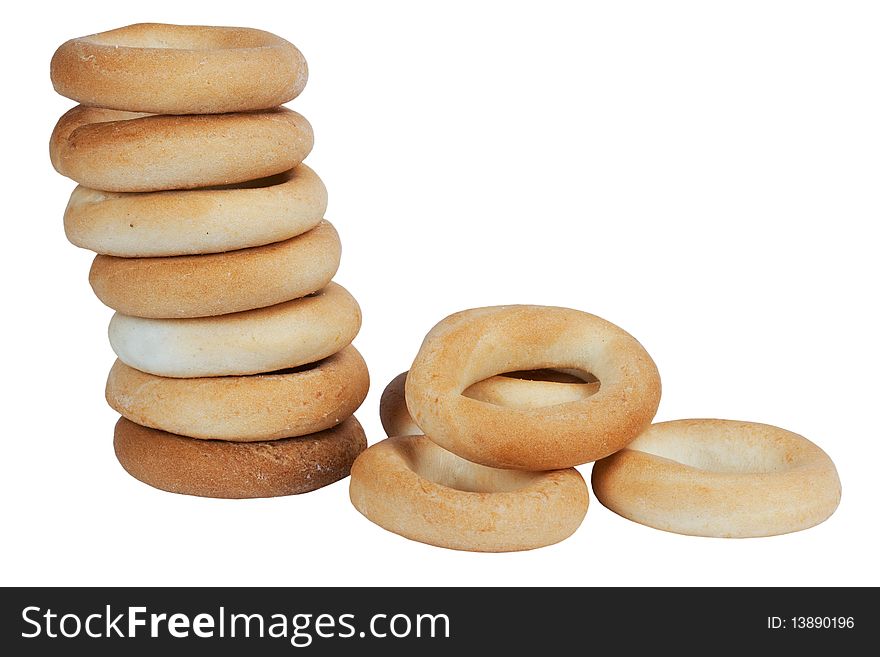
<point x="235" y="374"/>
<point x="501" y="403"/>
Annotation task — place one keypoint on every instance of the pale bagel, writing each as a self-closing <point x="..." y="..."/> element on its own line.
<point x="415" y="488"/>
<point x="282" y="404"/>
<point x="218" y="283"/>
<point x="179" y="69"/>
<point x="473" y="345"/>
<point x="264" y="340"/>
<point x="119" y="151"/>
<point x="719" y="478"/>
<point x="208" y="220"/>
<point x="516" y="390"/>
<point x="235" y="470"/>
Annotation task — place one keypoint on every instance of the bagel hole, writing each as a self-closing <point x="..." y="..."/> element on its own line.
<point x="566" y="385"/>
<point x="432" y="462"/>
<point x="552" y="376"/>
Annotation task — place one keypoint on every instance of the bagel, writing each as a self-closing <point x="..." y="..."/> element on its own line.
<point x="217" y="468"/>
<point x="179" y="69"/>
<point x="282" y="404"/>
<point x="415" y="488"/>
<point x="719" y="478"/>
<point x="473" y="345"/>
<point x="218" y="283"/>
<point x="531" y="389"/>
<point x="251" y="342"/>
<point x="118" y="151"/>
<point x="208" y="220"/>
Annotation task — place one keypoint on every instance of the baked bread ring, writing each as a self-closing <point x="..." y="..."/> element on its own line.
<point x="218" y="283"/>
<point x="217" y="468"/>
<point x="473" y="345"/>
<point x="179" y="69"/>
<point x="415" y="488"/>
<point x="251" y="342"/>
<point x="208" y="220"/>
<point x="532" y="389"/>
<point x="118" y="151"/>
<point x="282" y="404"/>
<point x="719" y="478"/>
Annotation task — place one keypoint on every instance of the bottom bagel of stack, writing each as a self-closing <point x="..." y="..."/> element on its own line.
<point x="258" y="403"/>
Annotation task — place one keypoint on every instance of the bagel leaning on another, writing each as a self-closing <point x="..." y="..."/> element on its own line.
<point x="119" y="151"/>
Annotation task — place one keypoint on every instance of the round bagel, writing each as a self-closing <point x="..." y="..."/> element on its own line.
<point x="208" y="220"/>
<point x="118" y="151"/>
<point x="217" y="468"/>
<point x="415" y="488"/>
<point x="531" y="389"/>
<point x="218" y="283"/>
<point x="179" y="69"/>
<point x="719" y="478"/>
<point x="283" y="404"/>
<point x="473" y="345"/>
<point x="251" y="342"/>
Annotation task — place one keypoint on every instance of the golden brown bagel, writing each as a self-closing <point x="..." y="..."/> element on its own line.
<point x="719" y="478"/>
<point x="189" y="222"/>
<point x="282" y="404"/>
<point x="218" y="283"/>
<point x="117" y="151"/>
<point x="473" y="345"/>
<point x="179" y="69"/>
<point x="415" y="488"/>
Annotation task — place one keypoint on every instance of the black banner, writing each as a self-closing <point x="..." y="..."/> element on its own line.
<point x="319" y="621"/>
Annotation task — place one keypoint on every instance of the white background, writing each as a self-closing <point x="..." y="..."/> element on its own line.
<point x="705" y="175"/>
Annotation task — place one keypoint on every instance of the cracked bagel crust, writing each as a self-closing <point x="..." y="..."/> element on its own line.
<point x="415" y="488"/>
<point x="473" y="345"/>
<point x="118" y="151"/>
<point x="218" y="283"/>
<point x="236" y="470"/>
<point x="719" y="478"/>
<point x="243" y="408"/>
<point x="285" y="335"/>
<point x="179" y="69"/>
<point x="211" y="220"/>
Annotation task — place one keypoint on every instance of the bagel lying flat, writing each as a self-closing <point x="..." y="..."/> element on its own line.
<point x="285" y="335"/>
<point x="282" y="404"/>
<point x="218" y="283"/>
<point x="118" y="151"/>
<point x="179" y="69"/>
<point x="415" y="488"/>
<point x="218" y="468"/>
<point x="208" y="220"/>
<point x="719" y="478"/>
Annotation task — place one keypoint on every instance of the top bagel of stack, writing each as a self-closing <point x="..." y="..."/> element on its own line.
<point x="214" y="251"/>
